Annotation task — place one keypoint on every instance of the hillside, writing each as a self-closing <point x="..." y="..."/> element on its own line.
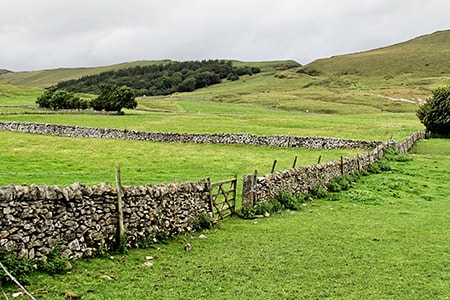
<point x="46" y="78"/>
<point x="424" y="56"/>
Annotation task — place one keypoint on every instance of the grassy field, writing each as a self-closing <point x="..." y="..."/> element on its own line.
<point x="385" y="238"/>
<point x="27" y="158"/>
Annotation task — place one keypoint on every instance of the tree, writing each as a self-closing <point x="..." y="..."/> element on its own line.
<point x="60" y="99"/>
<point x="435" y="113"/>
<point x="114" y="98"/>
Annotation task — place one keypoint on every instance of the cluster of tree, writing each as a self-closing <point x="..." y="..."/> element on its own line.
<point x="60" y="99"/>
<point x="162" y="79"/>
<point x="111" y="98"/>
<point x="435" y="113"/>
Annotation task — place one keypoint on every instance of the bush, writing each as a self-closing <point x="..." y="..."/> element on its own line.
<point x="392" y="155"/>
<point x="435" y="113"/>
<point x="19" y="267"/>
<point x="203" y="222"/>
<point x="318" y="192"/>
<point x="289" y="200"/>
<point x="340" y="183"/>
<point x="54" y="262"/>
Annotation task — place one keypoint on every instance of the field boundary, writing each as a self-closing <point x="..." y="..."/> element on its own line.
<point x="302" y="180"/>
<point x="86" y="220"/>
<point x="312" y="142"/>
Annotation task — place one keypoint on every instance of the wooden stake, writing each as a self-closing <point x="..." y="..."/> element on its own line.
<point x="273" y="166"/>
<point x="295" y="162"/>
<point x="119" y="203"/>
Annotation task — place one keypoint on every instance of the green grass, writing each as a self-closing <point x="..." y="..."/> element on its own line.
<point x="393" y="248"/>
<point x="28" y="158"/>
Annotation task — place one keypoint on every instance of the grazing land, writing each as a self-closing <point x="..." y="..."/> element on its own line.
<point x="386" y="237"/>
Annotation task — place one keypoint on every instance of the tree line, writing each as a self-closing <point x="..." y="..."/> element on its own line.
<point x="118" y="89"/>
<point x="161" y="79"/>
<point x="112" y="97"/>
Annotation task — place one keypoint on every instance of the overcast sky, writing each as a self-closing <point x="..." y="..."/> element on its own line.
<point x="43" y="34"/>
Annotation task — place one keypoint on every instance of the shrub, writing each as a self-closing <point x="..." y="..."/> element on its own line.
<point x="340" y="183"/>
<point x="54" y="262"/>
<point x="392" y="155"/>
<point x="289" y="200"/>
<point x="203" y="222"/>
<point x="435" y="113"/>
<point x="19" y="267"/>
<point x="318" y="192"/>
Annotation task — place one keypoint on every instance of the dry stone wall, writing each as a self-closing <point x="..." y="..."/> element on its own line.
<point x="301" y="180"/>
<point x="199" y="138"/>
<point x="36" y="218"/>
<point x="33" y="219"/>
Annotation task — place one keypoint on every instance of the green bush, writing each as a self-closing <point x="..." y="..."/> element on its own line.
<point x="435" y="113"/>
<point x="318" y="192"/>
<point x="19" y="267"/>
<point x="203" y="222"/>
<point x="289" y="200"/>
<point x="54" y="262"/>
<point x="339" y="183"/>
<point x="392" y="155"/>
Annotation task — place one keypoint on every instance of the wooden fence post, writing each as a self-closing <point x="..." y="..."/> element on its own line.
<point x="255" y="175"/>
<point x="211" y="204"/>
<point x="119" y="203"/>
<point x="320" y="158"/>
<point x="295" y="162"/>
<point x="273" y="166"/>
<point x="342" y="165"/>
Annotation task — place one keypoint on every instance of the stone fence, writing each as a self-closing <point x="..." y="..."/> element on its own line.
<point x="199" y="138"/>
<point x="85" y="219"/>
<point x="302" y="180"/>
<point x="33" y="219"/>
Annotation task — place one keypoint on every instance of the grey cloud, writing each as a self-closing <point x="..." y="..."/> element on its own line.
<point x="54" y="33"/>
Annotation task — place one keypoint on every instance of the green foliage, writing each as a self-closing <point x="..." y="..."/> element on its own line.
<point x="340" y="183"/>
<point x="18" y="267"/>
<point x="289" y="200"/>
<point x="60" y="99"/>
<point x="161" y="79"/>
<point x="281" y="201"/>
<point x="435" y="113"/>
<point x="392" y="155"/>
<point x="203" y="222"/>
<point x="54" y="262"/>
<point x="122" y="246"/>
<point x="114" y="98"/>
<point x="379" y="166"/>
<point x="318" y="192"/>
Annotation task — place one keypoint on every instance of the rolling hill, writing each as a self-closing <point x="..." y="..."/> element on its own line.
<point x="46" y="78"/>
<point x="424" y="56"/>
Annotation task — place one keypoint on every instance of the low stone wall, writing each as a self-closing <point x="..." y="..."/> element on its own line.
<point x="36" y="218"/>
<point x="301" y="180"/>
<point x="199" y="138"/>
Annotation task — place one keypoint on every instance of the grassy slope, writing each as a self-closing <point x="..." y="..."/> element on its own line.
<point x="406" y="70"/>
<point x="386" y="238"/>
<point x="427" y="55"/>
<point x="46" y="78"/>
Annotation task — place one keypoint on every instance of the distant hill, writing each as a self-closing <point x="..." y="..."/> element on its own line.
<point x="46" y="78"/>
<point x="427" y="55"/>
<point x="2" y="71"/>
